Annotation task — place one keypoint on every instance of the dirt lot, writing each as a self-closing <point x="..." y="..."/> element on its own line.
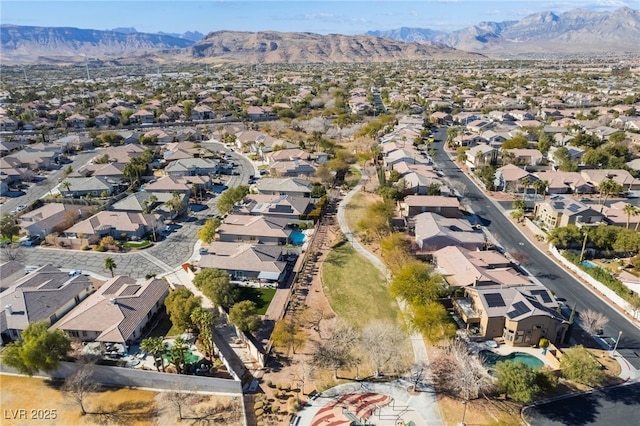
<point x="35" y="401"/>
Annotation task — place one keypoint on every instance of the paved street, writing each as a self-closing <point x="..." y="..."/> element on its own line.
<point x="554" y="277"/>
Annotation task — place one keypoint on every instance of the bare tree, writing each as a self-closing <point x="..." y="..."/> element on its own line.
<point x="79" y="385"/>
<point x="337" y="352"/>
<point x="179" y="399"/>
<point x="384" y="345"/>
<point x="417" y="374"/>
<point x="593" y="322"/>
<point x="460" y="373"/>
<point x="11" y="251"/>
<point x="315" y="317"/>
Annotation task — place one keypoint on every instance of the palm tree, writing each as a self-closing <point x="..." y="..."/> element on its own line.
<point x="525" y="184"/>
<point x="630" y="210"/>
<point x="156" y="347"/>
<point x="66" y="185"/>
<point x="537" y="186"/>
<point x="110" y="264"/>
<point x="608" y="187"/>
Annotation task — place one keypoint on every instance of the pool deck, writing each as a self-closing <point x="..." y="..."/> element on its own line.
<point x="503" y="349"/>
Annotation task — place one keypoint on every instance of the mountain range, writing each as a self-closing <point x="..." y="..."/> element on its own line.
<point x="576" y="31"/>
<point x="546" y="33"/>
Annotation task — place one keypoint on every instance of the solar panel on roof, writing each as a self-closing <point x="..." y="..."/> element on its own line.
<point x="519" y="308"/>
<point x="544" y="295"/>
<point x="494" y="300"/>
<point x="574" y="208"/>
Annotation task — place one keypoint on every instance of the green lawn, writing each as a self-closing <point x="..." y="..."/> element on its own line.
<point x="356" y="290"/>
<point x="260" y="296"/>
<point x="137" y="244"/>
<point x="356" y="210"/>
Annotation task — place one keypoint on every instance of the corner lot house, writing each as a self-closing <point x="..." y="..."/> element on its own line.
<point x="558" y="211"/>
<point x="116" y="224"/>
<point x="520" y="315"/>
<point x="118" y="312"/>
<point x="45" y="294"/>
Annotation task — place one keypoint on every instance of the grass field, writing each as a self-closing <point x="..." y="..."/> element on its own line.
<point x="356" y="290"/>
<point x="260" y="296"/>
<point x="357" y="207"/>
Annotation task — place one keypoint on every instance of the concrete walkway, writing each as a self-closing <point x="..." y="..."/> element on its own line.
<point x="417" y="341"/>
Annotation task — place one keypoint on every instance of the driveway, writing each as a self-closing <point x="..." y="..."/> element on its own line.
<point x="553" y="276"/>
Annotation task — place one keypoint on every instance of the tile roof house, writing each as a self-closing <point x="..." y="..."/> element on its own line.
<point x="560" y="210"/>
<point x="192" y="167"/>
<point x="509" y="178"/>
<point x="419" y="184"/>
<point x="115" y="224"/>
<point x="119" y="312"/>
<point x="45" y="294"/>
<point x="94" y="186"/>
<point x="284" y="186"/>
<point x="481" y="155"/>
<point x="615" y="215"/>
<point x="623" y="177"/>
<point x="413" y="205"/>
<point x="292" y="168"/>
<point x="10" y="272"/>
<point x="465" y="268"/>
<point x="122" y="153"/>
<point x="255" y="229"/>
<point x="565" y="183"/>
<point x="433" y="232"/>
<point x="404" y="156"/>
<point x="286" y="206"/>
<point x="521" y="315"/>
<point x="50" y="218"/>
<point x="246" y="261"/>
<point x="526" y="156"/>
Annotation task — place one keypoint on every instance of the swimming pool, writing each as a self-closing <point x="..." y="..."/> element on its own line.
<point x="589" y="264"/>
<point x="491" y="358"/>
<point x="298" y="237"/>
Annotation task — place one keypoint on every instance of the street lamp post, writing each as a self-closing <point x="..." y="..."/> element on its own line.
<point x="464" y="412"/>
<point x="615" y="347"/>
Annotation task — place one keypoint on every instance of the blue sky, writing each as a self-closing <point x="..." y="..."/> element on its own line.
<point x="324" y="17"/>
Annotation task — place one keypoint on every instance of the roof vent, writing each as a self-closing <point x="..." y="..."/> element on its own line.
<point x="113" y="301"/>
<point x="9" y="309"/>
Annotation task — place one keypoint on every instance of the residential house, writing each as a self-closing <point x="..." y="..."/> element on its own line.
<point x="413" y="205"/>
<point x="121" y="153"/>
<point x="286" y="206"/>
<point x="422" y="169"/>
<point x="192" y="167"/>
<point x="560" y="210"/>
<point x="481" y="155"/>
<point x="509" y="178"/>
<point x="93" y="186"/>
<point x="246" y="261"/>
<point x="616" y="215"/>
<point x="565" y="183"/>
<point x="35" y="160"/>
<point x="159" y="135"/>
<point x="420" y="184"/>
<point x="255" y="229"/>
<point x="8" y="125"/>
<point x="150" y="202"/>
<point x="292" y="168"/>
<point x="525" y="156"/>
<point x="119" y="312"/>
<point x="112" y="171"/>
<point x="574" y="154"/>
<point x="439" y="117"/>
<point x="468" y="139"/>
<point x="466" y="268"/>
<point x="520" y="315"/>
<point x="130" y="226"/>
<point x="10" y="272"/>
<point x="169" y="184"/>
<point x="259" y="112"/>
<point x="411" y="156"/>
<point x="76" y="121"/>
<point x="45" y="294"/>
<point x="596" y="176"/>
<point x="50" y="218"/>
<point x="284" y="186"/>
<point x="202" y="112"/>
<point x="433" y="232"/>
<point x="73" y="143"/>
<point x="142" y="117"/>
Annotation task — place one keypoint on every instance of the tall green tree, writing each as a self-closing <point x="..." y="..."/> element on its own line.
<point x="215" y="284"/>
<point x="8" y="227"/>
<point x="203" y="319"/>
<point x="178" y="354"/>
<point x="231" y="196"/>
<point x="578" y="365"/>
<point x="180" y="304"/>
<point x="517" y="380"/>
<point x="244" y="315"/>
<point x="110" y="264"/>
<point x="156" y="347"/>
<point x="417" y="283"/>
<point x="38" y="350"/>
<point x="208" y="231"/>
